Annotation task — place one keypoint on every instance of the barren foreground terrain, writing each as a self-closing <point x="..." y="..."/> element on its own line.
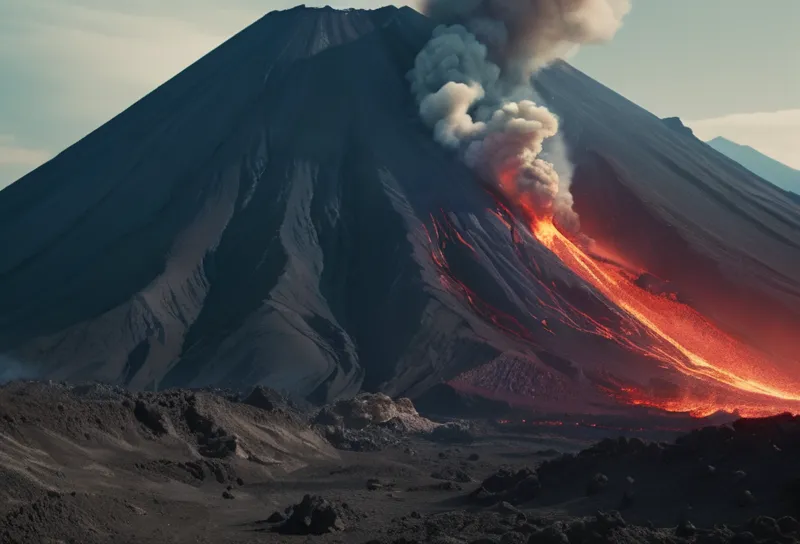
<point x="99" y="464"/>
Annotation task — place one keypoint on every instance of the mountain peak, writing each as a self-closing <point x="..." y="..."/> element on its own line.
<point x="721" y="140"/>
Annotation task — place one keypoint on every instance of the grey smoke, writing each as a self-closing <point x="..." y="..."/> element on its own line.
<point x="473" y="84"/>
<point x="447" y="112"/>
<point x="533" y="33"/>
<point x="452" y="55"/>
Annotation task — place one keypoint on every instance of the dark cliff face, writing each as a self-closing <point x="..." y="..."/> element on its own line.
<point x="277" y="214"/>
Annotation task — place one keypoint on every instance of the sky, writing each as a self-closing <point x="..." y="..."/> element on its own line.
<point x="727" y="67"/>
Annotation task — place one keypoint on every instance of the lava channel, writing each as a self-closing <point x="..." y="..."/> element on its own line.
<point x="732" y="376"/>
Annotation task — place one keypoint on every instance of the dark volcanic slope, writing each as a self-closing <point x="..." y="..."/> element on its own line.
<point x="249" y="220"/>
<point x="277" y="214"/>
<point x="729" y="239"/>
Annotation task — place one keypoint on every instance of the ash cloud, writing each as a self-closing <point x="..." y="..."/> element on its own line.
<point x="529" y="34"/>
<point x="473" y="84"/>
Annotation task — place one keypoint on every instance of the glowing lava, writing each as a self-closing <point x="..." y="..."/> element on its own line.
<point x="707" y="371"/>
<point x="686" y="342"/>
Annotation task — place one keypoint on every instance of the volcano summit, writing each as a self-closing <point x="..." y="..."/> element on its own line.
<point x="278" y="213"/>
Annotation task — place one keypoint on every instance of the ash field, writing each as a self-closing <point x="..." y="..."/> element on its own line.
<point x="383" y="214"/>
<point x="95" y="463"/>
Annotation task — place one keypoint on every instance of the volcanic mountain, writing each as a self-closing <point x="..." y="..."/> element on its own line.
<point x="278" y="214"/>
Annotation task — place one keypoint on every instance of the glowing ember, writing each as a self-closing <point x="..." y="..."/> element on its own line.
<point x="698" y="348"/>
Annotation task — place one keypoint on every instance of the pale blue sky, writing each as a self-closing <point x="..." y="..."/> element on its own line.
<point x="731" y="67"/>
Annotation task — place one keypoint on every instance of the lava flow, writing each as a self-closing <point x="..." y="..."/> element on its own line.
<point x="684" y="341"/>
<point x="714" y="372"/>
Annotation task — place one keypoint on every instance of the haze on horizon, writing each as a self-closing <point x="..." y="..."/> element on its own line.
<point x="67" y="66"/>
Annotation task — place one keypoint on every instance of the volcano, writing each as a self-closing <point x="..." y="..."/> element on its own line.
<point x="278" y="214"/>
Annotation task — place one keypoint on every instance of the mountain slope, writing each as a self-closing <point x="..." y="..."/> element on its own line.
<point x="243" y="222"/>
<point x="723" y="234"/>
<point x="768" y="168"/>
<point x="278" y="214"/>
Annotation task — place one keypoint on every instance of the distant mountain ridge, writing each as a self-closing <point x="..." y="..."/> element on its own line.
<point x="776" y="172"/>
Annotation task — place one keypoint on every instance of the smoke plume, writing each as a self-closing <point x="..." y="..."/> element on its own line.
<point x="533" y="33"/>
<point x="473" y="84"/>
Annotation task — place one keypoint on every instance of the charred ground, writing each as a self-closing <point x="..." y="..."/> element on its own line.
<point x="96" y="464"/>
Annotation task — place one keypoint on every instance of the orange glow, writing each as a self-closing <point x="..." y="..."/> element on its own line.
<point x="717" y="373"/>
<point x="742" y="379"/>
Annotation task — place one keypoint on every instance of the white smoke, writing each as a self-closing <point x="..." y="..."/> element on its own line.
<point x="472" y="81"/>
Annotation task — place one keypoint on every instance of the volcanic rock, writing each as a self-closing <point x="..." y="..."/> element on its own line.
<point x="440" y="486"/>
<point x="362" y="440"/>
<point x="266" y="399"/>
<point x="453" y="432"/>
<point x="43" y="504"/>
<point x="374" y="484"/>
<point x="504" y="479"/>
<point x="315" y="515"/>
<point x="606" y="522"/>
<point x="328" y="417"/>
<point x="508" y="508"/>
<point x="378" y="409"/>
<point x="150" y="416"/>
<point x="506" y="485"/>
<point x="514" y="538"/>
<point x="370" y="422"/>
<point x="452" y="474"/>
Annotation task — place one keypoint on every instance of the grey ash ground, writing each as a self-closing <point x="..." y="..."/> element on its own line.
<point x="95" y="464"/>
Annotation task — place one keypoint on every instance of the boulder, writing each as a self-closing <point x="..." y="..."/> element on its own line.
<point x="266" y="399"/>
<point x="314" y="515"/>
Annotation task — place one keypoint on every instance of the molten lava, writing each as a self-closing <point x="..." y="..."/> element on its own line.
<point x="709" y="371"/>
<point x="734" y="377"/>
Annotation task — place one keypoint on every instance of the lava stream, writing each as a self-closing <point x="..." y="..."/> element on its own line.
<point x="699" y="349"/>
